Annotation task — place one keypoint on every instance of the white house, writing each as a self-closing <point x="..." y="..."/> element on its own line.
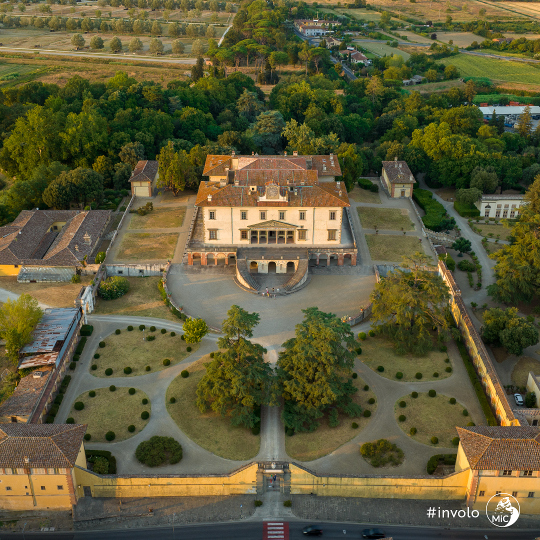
<point x="500" y="206"/>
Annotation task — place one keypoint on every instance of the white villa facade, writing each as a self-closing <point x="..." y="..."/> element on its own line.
<point x="500" y="206"/>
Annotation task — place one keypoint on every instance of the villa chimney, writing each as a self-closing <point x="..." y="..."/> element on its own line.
<point x="295" y="153"/>
<point x="285" y="153"/>
<point x="395" y="158"/>
<point x="233" y="153"/>
<point x="338" y="183"/>
<point x="209" y="198"/>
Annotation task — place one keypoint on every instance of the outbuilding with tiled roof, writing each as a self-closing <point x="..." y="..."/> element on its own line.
<point x="397" y="178"/>
<point x="143" y="178"/>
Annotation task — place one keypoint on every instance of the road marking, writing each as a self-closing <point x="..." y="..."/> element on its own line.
<point x="275" y="530"/>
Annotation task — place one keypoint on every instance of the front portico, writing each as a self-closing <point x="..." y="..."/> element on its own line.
<point x="271" y="232"/>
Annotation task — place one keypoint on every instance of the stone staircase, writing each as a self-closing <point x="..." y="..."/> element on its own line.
<point x="243" y="270"/>
<point x="298" y="277"/>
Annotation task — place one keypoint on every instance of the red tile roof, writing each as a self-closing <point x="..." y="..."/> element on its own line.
<point x="144" y="171"/>
<point x="398" y="171"/>
<point x="27" y="394"/>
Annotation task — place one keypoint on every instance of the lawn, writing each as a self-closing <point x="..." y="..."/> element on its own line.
<point x="492" y="247"/>
<point x="379" y="352"/>
<point x="521" y="370"/>
<point x="111" y="411"/>
<point x="209" y="430"/>
<point x="326" y="439"/>
<point x="393" y="219"/>
<point x="385" y="247"/>
<point x="146" y="246"/>
<point x="432" y="417"/>
<point x="441" y="86"/>
<point x="382" y="49"/>
<point x="159" y="218"/>
<point x="128" y="349"/>
<point x="48" y="293"/>
<point x="142" y="300"/>
<point x="364" y="196"/>
<point x="494" y="68"/>
<point x="491" y="229"/>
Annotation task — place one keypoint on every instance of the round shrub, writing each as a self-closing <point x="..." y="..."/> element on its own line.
<point x="212" y="354"/>
<point x="402" y="418"/>
<point x="436" y="374"/>
<point x="471" y="424"/>
<point x="172" y="400"/>
<point x="399" y="375"/>
<point x="110" y="436"/>
<point x="96" y="356"/>
<point x="152" y="329"/>
<point x="289" y="432"/>
<point x="112" y="388"/>
<point x="92" y="393"/>
<point x="372" y="333"/>
<point x="127" y="370"/>
<point x="72" y="365"/>
<point x="131" y="391"/>
<point x="145" y="415"/>
<point x="163" y="331"/>
<point x="184" y="373"/>
<point x="130" y="328"/>
<point x="452" y="401"/>
<point x="413" y="431"/>
<point x="432" y="393"/>
<point x="79" y="406"/>
<point x="94" y="367"/>
<point x="354" y="425"/>
<point x="380" y="369"/>
<point x="113" y="287"/>
<point x="87" y="436"/>
<point x="70" y="420"/>
<point x="447" y="360"/>
<point x="418" y="376"/>
<point x="358" y="351"/>
<point x="414" y="395"/>
<point x="145" y="401"/>
<point x="367" y="413"/>
<point x="188" y="349"/>
<point x="455" y="441"/>
<point x="108" y="371"/>
<point x="166" y="362"/>
<point x="402" y="404"/>
<point x="371" y="400"/>
<point x="131" y="428"/>
<point x="117" y="331"/>
<point x="448" y="369"/>
<point x="434" y="440"/>
<point x="362" y="336"/>
<point x="354" y="375"/>
<point x="287" y="504"/>
<point x="465" y="412"/>
<point x="182" y="337"/>
<point x="102" y="344"/>
<point x="256" y="429"/>
<point x="173" y="334"/>
<point x="148" y="368"/>
<point x="366" y="387"/>
<point x="142" y="327"/>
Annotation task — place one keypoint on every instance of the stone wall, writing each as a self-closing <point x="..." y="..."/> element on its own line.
<point x="135" y="270"/>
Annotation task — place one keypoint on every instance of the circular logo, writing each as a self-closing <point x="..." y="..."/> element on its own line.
<point x="502" y="510"/>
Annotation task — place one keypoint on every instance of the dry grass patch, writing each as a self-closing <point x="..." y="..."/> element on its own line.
<point x="364" y="196"/>
<point x="487" y="229"/>
<point x="146" y="246"/>
<point x="112" y="411"/>
<point x="379" y="352"/>
<point x="142" y="300"/>
<point x="50" y="294"/>
<point x="385" y="247"/>
<point x="522" y="369"/>
<point x="128" y="349"/>
<point x="209" y="430"/>
<point x="432" y="417"/>
<point x="385" y="219"/>
<point x="326" y="439"/>
<point x="159" y="218"/>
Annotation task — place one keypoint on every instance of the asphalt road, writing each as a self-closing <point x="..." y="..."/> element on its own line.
<point x="254" y="531"/>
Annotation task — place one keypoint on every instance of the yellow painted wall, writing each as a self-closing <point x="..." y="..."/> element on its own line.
<point x="9" y="270"/>
<point x="462" y="462"/>
<point x="449" y="487"/>
<point x="242" y="481"/>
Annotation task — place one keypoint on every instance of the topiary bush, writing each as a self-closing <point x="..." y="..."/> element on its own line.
<point x="108" y="371"/>
<point x="145" y="401"/>
<point x="465" y="412"/>
<point x="362" y="336"/>
<point x="381" y="452"/>
<point x="152" y="329"/>
<point x="94" y="367"/>
<point x="380" y="369"/>
<point x="436" y="374"/>
<point x="434" y="440"/>
<point x="127" y="370"/>
<point x="96" y="356"/>
<point x="172" y="400"/>
<point x="354" y="375"/>
<point x="158" y="451"/>
<point x="471" y="424"/>
<point x="452" y="401"/>
<point x="448" y="369"/>
<point x="184" y="373"/>
<point x="414" y="395"/>
<point x="92" y="393"/>
<point x="432" y="393"/>
<point x="354" y="425"/>
<point x="166" y="362"/>
<point x="87" y="436"/>
<point x="145" y="415"/>
<point x="366" y="387"/>
<point x="402" y="404"/>
<point x="72" y="366"/>
<point x="131" y="428"/>
<point x="173" y="334"/>
<point x="113" y="287"/>
<point x="372" y="333"/>
<point x="70" y="420"/>
<point x="130" y="328"/>
<point x="188" y="349"/>
<point x="287" y="504"/>
<point x="79" y="406"/>
<point x="163" y="331"/>
<point x="413" y="431"/>
<point x="141" y="327"/>
<point x="148" y="368"/>
<point x="447" y="360"/>
<point x="402" y="418"/>
<point x="258" y="503"/>
<point x="371" y="400"/>
<point x="455" y="441"/>
<point x="131" y="391"/>
<point x="102" y="344"/>
<point x="86" y="330"/>
<point x="112" y="388"/>
<point x="110" y="436"/>
<point x="358" y="351"/>
<point x="367" y="413"/>
<point x="399" y="375"/>
<point x="117" y="331"/>
<point x="418" y="376"/>
<point x="150" y="338"/>
<point x="182" y="337"/>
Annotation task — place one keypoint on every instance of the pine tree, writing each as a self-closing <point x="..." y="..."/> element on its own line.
<point x="524" y="124"/>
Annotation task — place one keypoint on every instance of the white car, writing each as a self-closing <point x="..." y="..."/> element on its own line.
<point x="519" y="399"/>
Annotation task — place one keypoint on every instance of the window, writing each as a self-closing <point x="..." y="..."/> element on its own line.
<point x="38" y="471"/>
<point x="212" y="214"/>
<point x="512" y="213"/>
<point x="8" y="488"/>
<point x="302" y="215"/>
<point x="481" y="493"/>
<point x="514" y="493"/>
<point x="282" y="215"/>
<point x="527" y="473"/>
<point x="212" y="234"/>
<point x="497" y="494"/>
<point x="243" y="215"/>
<point x="15" y="266"/>
<point x="244" y="235"/>
<point x="332" y="216"/>
<point x="505" y="213"/>
<point x="50" y="471"/>
<point x="486" y="213"/>
<point x="263" y="214"/>
<point x="531" y="494"/>
<point x="331" y="234"/>
<point x="120" y="272"/>
<point x="302" y="234"/>
<point x="507" y="473"/>
<point x="497" y="213"/>
<point x="60" y="488"/>
<point x="42" y="488"/>
<point x="62" y="471"/>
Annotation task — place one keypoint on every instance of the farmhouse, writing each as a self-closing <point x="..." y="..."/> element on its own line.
<point x="143" y="178"/>
<point x="397" y="178"/>
<point x="500" y="206"/>
<point x="312" y="28"/>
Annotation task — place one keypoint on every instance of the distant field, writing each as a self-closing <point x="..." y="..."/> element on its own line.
<point x="461" y="39"/>
<point x="441" y="86"/>
<point x="494" y="68"/>
<point x="382" y="49"/>
<point x="13" y="73"/>
<point x="520" y="9"/>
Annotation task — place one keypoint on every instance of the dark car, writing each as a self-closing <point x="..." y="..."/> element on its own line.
<point x="373" y="533"/>
<point x="312" y="530"/>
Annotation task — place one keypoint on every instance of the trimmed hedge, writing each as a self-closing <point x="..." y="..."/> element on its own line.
<point x="184" y="373"/>
<point x="159" y="450"/>
<point x="435" y="211"/>
<point x="402" y="418"/>
<point x="371" y="400"/>
<point x="173" y="334"/>
<point x="117" y="331"/>
<point x="127" y="370"/>
<point x="113" y="287"/>
<point x="432" y="393"/>
<point x="367" y="413"/>
<point x="91" y="455"/>
<point x="477" y="385"/>
<point x="96" y="356"/>
<point x="434" y="440"/>
<point x="92" y="393"/>
<point x="466" y="210"/>
<point x="131" y="428"/>
<point x="364" y="183"/>
<point x="81" y="345"/>
<point x="166" y="362"/>
<point x="72" y="366"/>
<point x="108" y="371"/>
<point x="102" y="344"/>
<point x="131" y="391"/>
<point x="145" y="415"/>
<point x="130" y="328"/>
<point x="414" y="395"/>
<point x="434" y="461"/>
<point x="79" y="406"/>
<point x="163" y="331"/>
<point x="94" y="367"/>
<point x="86" y="330"/>
<point x="112" y="388"/>
<point x="354" y="375"/>
<point x="144" y="401"/>
<point x="110" y="436"/>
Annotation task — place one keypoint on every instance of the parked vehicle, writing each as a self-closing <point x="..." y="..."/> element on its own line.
<point x="312" y="530"/>
<point x="373" y="533"/>
<point x="518" y="399"/>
